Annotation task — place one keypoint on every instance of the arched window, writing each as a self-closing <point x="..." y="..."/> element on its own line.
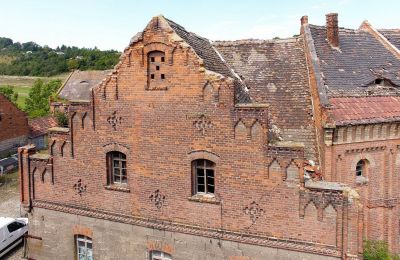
<point x="361" y="168"/>
<point x="203" y="176"/>
<point x="116" y="168"/>
<point x="158" y="255"/>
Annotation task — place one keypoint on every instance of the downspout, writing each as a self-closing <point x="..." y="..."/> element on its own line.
<point x="29" y="185"/>
<point x="21" y="176"/>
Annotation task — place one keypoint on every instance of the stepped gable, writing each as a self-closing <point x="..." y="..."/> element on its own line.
<point x="275" y="72"/>
<point x="359" y="60"/>
<point x="211" y="58"/>
<point x="80" y="83"/>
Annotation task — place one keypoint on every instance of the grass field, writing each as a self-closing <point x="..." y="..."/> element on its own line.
<point x="22" y="84"/>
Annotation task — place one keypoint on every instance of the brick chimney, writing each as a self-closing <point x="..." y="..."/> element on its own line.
<point x="332" y="29"/>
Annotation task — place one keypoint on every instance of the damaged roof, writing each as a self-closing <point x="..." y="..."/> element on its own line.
<point x="79" y="84"/>
<point x="393" y="36"/>
<point x="211" y="58"/>
<point x="275" y="71"/>
<point x="39" y="126"/>
<point x="356" y="64"/>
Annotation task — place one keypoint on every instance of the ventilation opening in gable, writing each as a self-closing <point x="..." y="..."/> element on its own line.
<point x="379" y="81"/>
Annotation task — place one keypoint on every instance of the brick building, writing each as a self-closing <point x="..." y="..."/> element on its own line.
<point x="13" y="127"/>
<point x="226" y="150"/>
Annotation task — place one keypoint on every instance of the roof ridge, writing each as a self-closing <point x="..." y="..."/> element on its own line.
<point x="254" y="41"/>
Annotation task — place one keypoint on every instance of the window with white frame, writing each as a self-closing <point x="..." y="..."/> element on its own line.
<point x="158" y="255"/>
<point x="84" y="248"/>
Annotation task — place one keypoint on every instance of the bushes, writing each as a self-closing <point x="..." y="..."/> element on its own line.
<point x="61" y="118"/>
<point x="377" y="250"/>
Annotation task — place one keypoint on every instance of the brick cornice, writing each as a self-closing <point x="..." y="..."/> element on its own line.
<point x="366" y="149"/>
<point x="289" y="244"/>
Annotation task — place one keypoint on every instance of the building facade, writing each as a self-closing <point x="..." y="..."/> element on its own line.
<point x="356" y="74"/>
<point x="13" y="127"/>
<point x="198" y="150"/>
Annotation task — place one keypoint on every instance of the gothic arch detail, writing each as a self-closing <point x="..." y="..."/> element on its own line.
<point x="257" y="131"/>
<point x="240" y="130"/>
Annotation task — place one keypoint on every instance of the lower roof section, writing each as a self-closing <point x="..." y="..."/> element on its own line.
<point x="364" y="110"/>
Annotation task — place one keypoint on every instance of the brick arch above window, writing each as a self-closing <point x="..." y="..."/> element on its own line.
<point x="116" y="147"/>
<point x="82" y="230"/>
<point x="158" y="47"/>
<point x="370" y="160"/>
<point x="204" y="154"/>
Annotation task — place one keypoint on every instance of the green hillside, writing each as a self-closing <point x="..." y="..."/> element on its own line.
<point x="31" y="59"/>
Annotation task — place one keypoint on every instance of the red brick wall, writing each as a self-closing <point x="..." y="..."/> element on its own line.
<point x="13" y="122"/>
<point x="161" y="132"/>
<point x="378" y="197"/>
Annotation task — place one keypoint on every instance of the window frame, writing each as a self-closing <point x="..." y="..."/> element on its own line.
<point x="86" y="240"/>
<point x="15" y="224"/>
<point x="120" y="158"/>
<point x="163" y="255"/>
<point x="361" y="168"/>
<point x="203" y="165"/>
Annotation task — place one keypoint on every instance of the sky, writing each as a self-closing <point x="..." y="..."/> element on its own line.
<point x="109" y="24"/>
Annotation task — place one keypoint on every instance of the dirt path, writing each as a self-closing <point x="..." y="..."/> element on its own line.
<point x="10" y="207"/>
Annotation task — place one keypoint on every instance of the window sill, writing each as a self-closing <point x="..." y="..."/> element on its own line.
<point x="204" y="198"/>
<point x="361" y="180"/>
<point x="123" y="188"/>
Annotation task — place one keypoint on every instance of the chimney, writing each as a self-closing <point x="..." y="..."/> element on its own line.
<point x="304" y="19"/>
<point x="332" y="29"/>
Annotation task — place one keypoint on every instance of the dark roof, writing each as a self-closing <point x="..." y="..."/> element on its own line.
<point x="276" y="73"/>
<point x="40" y="126"/>
<point x="358" y="62"/>
<point x="79" y="84"/>
<point x="364" y="110"/>
<point x="211" y="58"/>
<point x="393" y="36"/>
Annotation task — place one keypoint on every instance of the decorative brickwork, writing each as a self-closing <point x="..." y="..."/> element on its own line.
<point x="173" y="99"/>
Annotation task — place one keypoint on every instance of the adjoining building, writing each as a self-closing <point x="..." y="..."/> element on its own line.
<point x="14" y="128"/>
<point x="38" y="131"/>
<point x="77" y="88"/>
<point x="250" y="149"/>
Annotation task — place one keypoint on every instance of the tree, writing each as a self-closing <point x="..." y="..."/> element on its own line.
<point x="5" y="42"/>
<point x="37" y="104"/>
<point x="9" y="93"/>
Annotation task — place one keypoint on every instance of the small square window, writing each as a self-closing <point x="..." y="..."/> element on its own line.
<point x="152" y="76"/>
<point x="152" y="59"/>
<point x="162" y="76"/>
<point x="162" y="59"/>
<point x="157" y="67"/>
